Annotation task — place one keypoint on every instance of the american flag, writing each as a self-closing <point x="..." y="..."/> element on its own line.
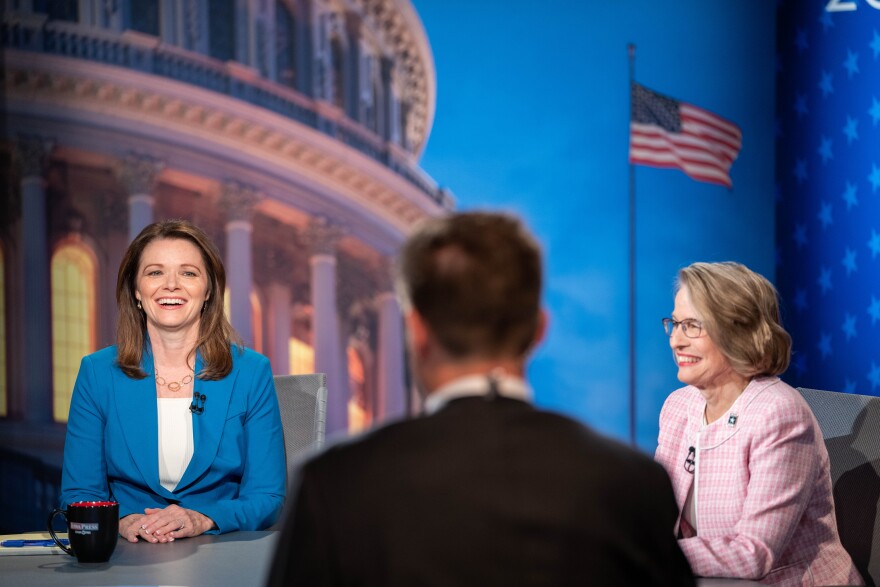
<point x="667" y="133"/>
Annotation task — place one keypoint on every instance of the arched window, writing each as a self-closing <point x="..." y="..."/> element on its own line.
<point x="394" y="117"/>
<point x="221" y="30"/>
<point x="285" y="44"/>
<point x="358" y="410"/>
<point x="301" y="356"/>
<point x="256" y="317"/>
<point x="378" y="100"/>
<point x="144" y="17"/>
<point x="4" y="385"/>
<point x="330" y="48"/>
<point x="58" y="9"/>
<point x="403" y="112"/>
<point x="369" y="89"/>
<point x="73" y="319"/>
<point x="337" y="68"/>
<point x="257" y="321"/>
<point x="302" y="361"/>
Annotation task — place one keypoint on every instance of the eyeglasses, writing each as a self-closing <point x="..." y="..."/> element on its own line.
<point x="690" y="328"/>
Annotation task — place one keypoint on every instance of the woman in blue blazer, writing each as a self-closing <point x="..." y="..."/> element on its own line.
<point x="178" y="422"/>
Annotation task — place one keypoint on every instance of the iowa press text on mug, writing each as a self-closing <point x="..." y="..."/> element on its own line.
<point x="93" y="528"/>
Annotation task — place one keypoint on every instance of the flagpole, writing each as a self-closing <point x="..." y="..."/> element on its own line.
<point x="631" y="50"/>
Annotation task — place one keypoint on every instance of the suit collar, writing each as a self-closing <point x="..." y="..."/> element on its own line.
<point x="477" y="386"/>
<point x="725" y="427"/>
<point x="138" y="416"/>
<point x="208" y="426"/>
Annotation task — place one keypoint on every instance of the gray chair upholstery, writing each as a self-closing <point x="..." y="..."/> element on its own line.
<point x="851" y="428"/>
<point x="302" y="400"/>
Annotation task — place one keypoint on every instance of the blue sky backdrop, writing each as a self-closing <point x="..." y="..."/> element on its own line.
<point x="532" y="117"/>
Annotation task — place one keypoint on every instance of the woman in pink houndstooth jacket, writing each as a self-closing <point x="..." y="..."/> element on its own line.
<point x="744" y="452"/>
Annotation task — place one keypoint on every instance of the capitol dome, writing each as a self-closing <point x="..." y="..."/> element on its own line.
<point x="289" y="130"/>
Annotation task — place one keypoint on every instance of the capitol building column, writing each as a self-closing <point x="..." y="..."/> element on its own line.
<point x="138" y="174"/>
<point x="37" y="374"/>
<point x="279" y="300"/>
<point x="391" y="393"/>
<point x="322" y="238"/>
<point x="239" y="200"/>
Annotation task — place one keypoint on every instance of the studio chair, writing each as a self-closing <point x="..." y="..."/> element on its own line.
<point x="851" y="429"/>
<point x="302" y="400"/>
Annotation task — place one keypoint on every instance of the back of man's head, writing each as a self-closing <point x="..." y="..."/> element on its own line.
<point x="475" y="279"/>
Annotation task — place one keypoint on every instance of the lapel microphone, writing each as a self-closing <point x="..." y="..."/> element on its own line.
<point x="690" y="461"/>
<point x="197" y="406"/>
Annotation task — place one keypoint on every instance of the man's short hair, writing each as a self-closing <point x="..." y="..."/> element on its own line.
<point x="475" y="278"/>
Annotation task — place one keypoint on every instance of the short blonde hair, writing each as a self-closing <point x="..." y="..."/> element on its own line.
<point x="740" y="311"/>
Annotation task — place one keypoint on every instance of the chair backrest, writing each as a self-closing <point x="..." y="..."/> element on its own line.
<point x="302" y="400"/>
<point x="851" y="428"/>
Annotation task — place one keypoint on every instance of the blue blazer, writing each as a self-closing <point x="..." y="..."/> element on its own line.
<point x="237" y="475"/>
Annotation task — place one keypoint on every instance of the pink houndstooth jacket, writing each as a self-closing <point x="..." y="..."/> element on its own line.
<point x="764" y="508"/>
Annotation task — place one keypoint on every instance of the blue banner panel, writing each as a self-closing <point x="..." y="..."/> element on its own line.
<point x="828" y="191"/>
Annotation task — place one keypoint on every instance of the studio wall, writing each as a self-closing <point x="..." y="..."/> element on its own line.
<point x="533" y="117"/>
<point x="828" y="191"/>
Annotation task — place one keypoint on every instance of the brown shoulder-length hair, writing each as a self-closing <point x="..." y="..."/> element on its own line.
<point x="740" y="311"/>
<point x="216" y="335"/>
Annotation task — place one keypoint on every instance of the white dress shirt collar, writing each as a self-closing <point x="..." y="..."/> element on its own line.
<point x="476" y="386"/>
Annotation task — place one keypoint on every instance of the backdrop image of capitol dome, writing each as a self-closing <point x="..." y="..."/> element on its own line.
<point x="289" y="130"/>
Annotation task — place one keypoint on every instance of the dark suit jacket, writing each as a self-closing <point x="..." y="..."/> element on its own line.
<point x="484" y="492"/>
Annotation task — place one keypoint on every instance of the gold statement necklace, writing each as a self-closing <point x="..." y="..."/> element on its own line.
<point x="173" y="385"/>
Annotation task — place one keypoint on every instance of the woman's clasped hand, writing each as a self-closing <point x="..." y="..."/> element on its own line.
<point x="164" y="524"/>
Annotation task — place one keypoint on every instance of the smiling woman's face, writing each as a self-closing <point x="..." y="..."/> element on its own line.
<point x="700" y="362"/>
<point x="172" y="285"/>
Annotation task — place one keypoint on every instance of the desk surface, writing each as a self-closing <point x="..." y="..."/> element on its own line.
<point x="237" y="559"/>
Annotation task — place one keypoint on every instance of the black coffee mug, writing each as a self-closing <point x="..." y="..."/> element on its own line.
<point x="92" y="528"/>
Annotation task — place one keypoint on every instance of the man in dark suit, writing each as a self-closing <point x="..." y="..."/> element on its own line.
<point x="482" y="489"/>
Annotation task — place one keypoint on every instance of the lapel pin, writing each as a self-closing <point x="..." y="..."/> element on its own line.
<point x="731" y="420"/>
